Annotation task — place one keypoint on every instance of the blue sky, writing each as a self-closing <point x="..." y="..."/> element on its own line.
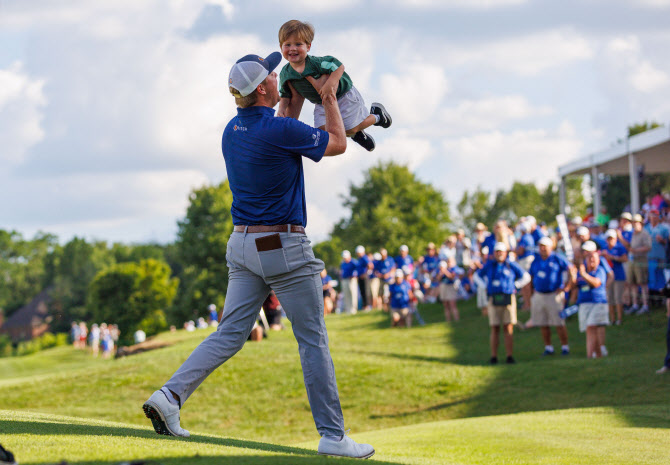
<point x="111" y="112"/>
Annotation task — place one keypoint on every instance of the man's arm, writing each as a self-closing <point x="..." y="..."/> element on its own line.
<point x="291" y="107"/>
<point x="337" y="137"/>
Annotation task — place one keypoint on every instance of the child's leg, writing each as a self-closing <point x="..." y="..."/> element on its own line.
<point x="366" y="123"/>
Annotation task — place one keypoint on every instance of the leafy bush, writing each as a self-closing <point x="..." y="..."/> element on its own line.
<point x="154" y="323"/>
<point x="45" y="341"/>
<point x="6" y="348"/>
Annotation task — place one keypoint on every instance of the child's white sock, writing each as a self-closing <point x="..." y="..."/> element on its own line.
<point x="377" y="118"/>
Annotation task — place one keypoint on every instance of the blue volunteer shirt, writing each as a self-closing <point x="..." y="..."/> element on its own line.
<point x="537" y="235"/>
<point x="548" y="274"/>
<point x="454" y="269"/>
<point x="401" y="261"/>
<point x="348" y="269"/>
<point x="617" y="267"/>
<point x="489" y="242"/>
<point x="657" y="251"/>
<point x="528" y="244"/>
<point x="430" y="264"/>
<point x="263" y="157"/>
<point x="362" y="265"/>
<point x="588" y="294"/>
<point x="501" y="276"/>
<point x="385" y="266"/>
<point x="326" y="280"/>
<point x="399" y="294"/>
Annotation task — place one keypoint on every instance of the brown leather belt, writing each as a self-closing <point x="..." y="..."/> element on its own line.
<point x="273" y="228"/>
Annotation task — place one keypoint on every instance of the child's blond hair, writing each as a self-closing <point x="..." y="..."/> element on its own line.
<point x="304" y="31"/>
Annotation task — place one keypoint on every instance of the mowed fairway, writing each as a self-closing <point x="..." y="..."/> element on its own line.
<point x="423" y="396"/>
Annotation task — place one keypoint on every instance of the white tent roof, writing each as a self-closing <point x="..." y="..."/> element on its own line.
<point x="651" y="149"/>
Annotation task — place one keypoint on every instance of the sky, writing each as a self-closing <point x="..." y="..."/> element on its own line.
<point x="111" y="113"/>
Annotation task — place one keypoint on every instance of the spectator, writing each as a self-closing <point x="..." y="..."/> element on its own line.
<point x="536" y="231"/>
<point x="463" y="249"/>
<point x="94" y="339"/>
<point x="348" y="275"/>
<point x="592" y="300"/>
<point x="107" y="341"/>
<point x="139" y="336"/>
<point x="375" y="282"/>
<point x="75" y="331"/>
<point x="660" y="233"/>
<point x="505" y="235"/>
<point x="504" y="278"/>
<point x="329" y="294"/>
<point x="648" y="205"/>
<point x="202" y="324"/>
<point x="616" y="254"/>
<point x="448" y="249"/>
<point x="272" y="309"/>
<point x="624" y="235"/>
<point x="83" y="334"/>
<point x="449" y="278"/>
<point x="429" y="265"/>
<point x="401" y="295"/>
<point x="481" y="242"/>
<point x="404" y="259"/>
<point x="525" y="255"/>
<point x="213" y="316"/>
<point x="603" y="217"/>
<point x="548" y="272"/>
<point x="666" y="363"/>
<point x="362" y="263"/>
<point x="385" y="273"/>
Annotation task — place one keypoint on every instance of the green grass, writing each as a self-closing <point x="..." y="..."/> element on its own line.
<point x="414" y="394"/>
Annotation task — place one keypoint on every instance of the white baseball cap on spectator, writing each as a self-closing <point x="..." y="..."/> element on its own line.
<point x="404" y="248"/>
<point x="524" y="226"/>
<point x="577" y="220"/>
<point x="637" y="218"/>
<point x="546" y="241"/>
<point x="500" y="246"/>
<point x="582" y="231"/>
<point x="399" y="274"/>
<point x="531" y="219"/>
<point x="211" y="307"/>
<point x="360" y="249"/>
<point x="626" y="216"/>
<point x="611" y="233"/>
<point x="346" y="254"/>
<point x="589" y="246"/>
<point x="480" y="227"/>
<point x="377" y="256"/>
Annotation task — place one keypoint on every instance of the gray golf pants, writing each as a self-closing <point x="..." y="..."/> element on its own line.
<point x="292" y="272"/>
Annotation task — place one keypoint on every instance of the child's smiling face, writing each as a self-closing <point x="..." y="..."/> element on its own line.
<point x="295" y="49"/>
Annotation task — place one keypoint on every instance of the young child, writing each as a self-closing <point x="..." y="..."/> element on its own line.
<point x="310" y="77"/>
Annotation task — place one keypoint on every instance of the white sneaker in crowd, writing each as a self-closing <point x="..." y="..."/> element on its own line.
<point x="663" y="369"/>
<point x="603" y="351"/>
<point x="346" y="447"/>
<point x="164" y="415"/>
<point x="643" y="310"/>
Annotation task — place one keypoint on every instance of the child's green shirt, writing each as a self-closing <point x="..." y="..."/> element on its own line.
<point x="314" y="67"/>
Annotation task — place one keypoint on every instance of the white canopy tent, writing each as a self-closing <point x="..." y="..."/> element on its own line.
<point x="647" y="152"/>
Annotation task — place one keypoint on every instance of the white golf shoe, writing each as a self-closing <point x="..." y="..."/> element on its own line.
<point x="347" y="447"/>
<point x="164" y="415"/>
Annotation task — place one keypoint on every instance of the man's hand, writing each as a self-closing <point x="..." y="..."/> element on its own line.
<point x="660" y="239"/>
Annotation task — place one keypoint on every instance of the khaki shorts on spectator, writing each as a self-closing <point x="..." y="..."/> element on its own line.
<point x="402" y="312"/>
<point x="448" y="292"/>
<point x="482" y="297"/>
<point x="628" y="269"/>
<point x="526" y="262"/>
<point x="615" y="293"/>
<point x="502" y="314"/>
<point x="375" y="284"/>
<point x="640" y="274"/>
<point x="544" y="309"/>
<point x="593" y="314"/>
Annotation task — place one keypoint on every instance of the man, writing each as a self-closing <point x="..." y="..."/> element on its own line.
<point x="547" y="273"/>
<point x="660" y="234"/>
<point x="348" y="276"/>
<point x="363" y="263"/>
<point x="384" y="270"/>
<point x="504" y="278"/>
<point x="616" y="254"/>
<point x="638" y="247"/>
<point x="463" y="248"/>
<point x="404" y="259"/>
<point x="624" y="235"/>
<point x="268" y="249"/>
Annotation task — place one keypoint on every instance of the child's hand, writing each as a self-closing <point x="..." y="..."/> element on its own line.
<point x="328" y="89"/>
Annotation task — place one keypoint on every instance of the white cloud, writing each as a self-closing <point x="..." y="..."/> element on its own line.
<point x="321" y="6"/>
<point x="489" y="113"/>
<point x="627" y="67"/>
<point x="527" y="55"/>
<point x="460" y="4"/>
<point x="21" y="105"/>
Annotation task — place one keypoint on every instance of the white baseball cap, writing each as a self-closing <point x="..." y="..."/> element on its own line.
<point x="589" y="246"/>
<point x="399" y="274"/>
<point x="577" y="220"/>
<point x="626" y="216"/>
<point x="500" y="246"/>
<point x="404" y="248"/>
<point x="211" y="307"/>
<point x="360" y="249"/>
<point x="377" y="256"/>
<point x="346" y="254"/>
<point x="611" y="233"/>
<point x="582" y="231"/>
<point x="546" y="241"/>
<point x="250" y="70"/>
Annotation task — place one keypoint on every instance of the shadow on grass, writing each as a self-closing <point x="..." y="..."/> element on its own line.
<point x="231" y="459"/>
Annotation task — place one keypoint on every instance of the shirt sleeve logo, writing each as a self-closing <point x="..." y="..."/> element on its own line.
<point x="316" y="138"/>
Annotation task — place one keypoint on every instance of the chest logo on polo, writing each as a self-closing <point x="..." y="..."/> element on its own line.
<point x="239" y="128"/>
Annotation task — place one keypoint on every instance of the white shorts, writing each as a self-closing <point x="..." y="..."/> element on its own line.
<point x="593" y="314"/>
<point x="352" y="108"/>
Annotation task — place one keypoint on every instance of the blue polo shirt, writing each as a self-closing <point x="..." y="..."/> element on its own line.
<point x="401" y="261"/>
<point x="588" y="294"/>
<point x="400" y="294"/>
<point x="501" y="276"/>
<point x="430" y="263"/>
<point x="548" y="274"/>
<point x="657" y="251"/>
<point x="528" y="244"/>
<point x="362" y="265"/>
<point x="263" y="157"/>
<point x="384" y="266"/>
<point x="617" y="267"/>
<point x="348" y="269"/>
<point x="537" y="235"/>
<point x="454" y="269"/>
<point x="489" y="242"/>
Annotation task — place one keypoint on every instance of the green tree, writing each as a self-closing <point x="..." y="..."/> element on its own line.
<point x="201" y="250"/>
<point x="133" y="295"/>
<point x="392" y="207"/>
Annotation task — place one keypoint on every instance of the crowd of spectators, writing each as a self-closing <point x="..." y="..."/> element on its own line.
<point x="604" y="269"/>
<point x="98" y="338"/>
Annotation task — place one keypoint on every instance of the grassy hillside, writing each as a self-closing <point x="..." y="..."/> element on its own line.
<point x="387" y="377"/>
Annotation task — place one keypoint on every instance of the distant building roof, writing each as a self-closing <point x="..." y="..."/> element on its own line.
<point x="30" y="315"/>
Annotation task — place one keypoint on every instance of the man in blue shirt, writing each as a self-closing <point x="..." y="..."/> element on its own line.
<point x="268" y="249"/>
<point x="385" y="269"/>
<point x="349" y="279"/>
<point x="547" y="272"/>
<point x="362" y="264"/>
<point x="400" y="296"/>
<point x="660" y="234"/>
<point x="616" y="254"/>
<point x="404" y="259"/>
<point x="504" y="278"/>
